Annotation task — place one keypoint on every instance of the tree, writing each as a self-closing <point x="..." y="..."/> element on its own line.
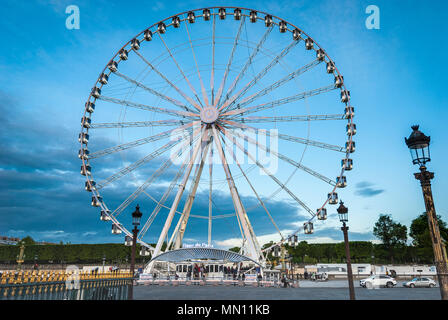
<point x="28" y="241"/>
<point x="392" y="234"/>
<point x="419" y="232"/>
<point x="235" y="249"/>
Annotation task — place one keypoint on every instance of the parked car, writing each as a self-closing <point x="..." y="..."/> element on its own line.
<point x="420" y="283"/>
<point x="378" y="281"/>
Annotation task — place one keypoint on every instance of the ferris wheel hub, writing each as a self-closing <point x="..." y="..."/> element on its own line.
<point x="209" y="115"/>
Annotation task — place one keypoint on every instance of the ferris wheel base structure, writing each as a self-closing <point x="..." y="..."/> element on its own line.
<point x="202" y="255"/>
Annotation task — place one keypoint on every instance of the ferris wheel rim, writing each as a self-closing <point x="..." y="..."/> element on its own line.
<point x="350" y="120"/>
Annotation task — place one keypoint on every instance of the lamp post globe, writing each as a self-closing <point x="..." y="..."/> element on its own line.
<point x="136" y="216"/>
<point x="418" y="144"/>
<point x="342" y="212"/>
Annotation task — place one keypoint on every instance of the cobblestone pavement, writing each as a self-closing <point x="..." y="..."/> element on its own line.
<point x="331" y="290"/>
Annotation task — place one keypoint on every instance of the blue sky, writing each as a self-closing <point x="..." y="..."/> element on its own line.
<point x="396" y="76"/>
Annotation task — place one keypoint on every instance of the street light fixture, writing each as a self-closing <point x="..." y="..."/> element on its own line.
<point x="343" y="217"/>
<point x="418" y="144"/>
<point x="136" y="217"/>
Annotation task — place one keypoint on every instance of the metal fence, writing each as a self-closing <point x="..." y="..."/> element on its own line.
<point x="65" y="286"/>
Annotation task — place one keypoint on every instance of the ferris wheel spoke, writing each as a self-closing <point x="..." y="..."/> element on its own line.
<point x="291" y="118"/>
<point x="248" y="62"/>
<point x="155" y="92"/>
<point x="212" y="77"/>
<point x="277" y="84"/>
<point x="284" y="158"/>
<point x="140" y="189"/>
<point x="286" y="137"/>
<point x="177" y="198"/>
<point x="131" y="104"/>
<point x="136" y="143"/>
<point x="183" y="220"/>
<point x="200" y="106"/>
<point x="254" y="247"/>
<point x="210" y="191"/>
<point x="172" y="85"/>
<point x="275" y="103"/>
<point x="274" y="178"/>
<point x="161" y="203"/>
<point x="253" y="189"/>
<point x="137" y="124"/>
<point x="229" y="102"/>
<point x="204" y="94"/>
<point x="229" y="63"/>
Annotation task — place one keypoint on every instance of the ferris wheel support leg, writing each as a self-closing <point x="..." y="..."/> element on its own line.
<point x="173" y="209"/>
<point x="189" y="204"/>
<point x="251" y="239"/>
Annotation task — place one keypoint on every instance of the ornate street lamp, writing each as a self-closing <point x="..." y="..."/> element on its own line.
<point x="136" y="217"/>
<point x="343" y="217"/>
<point x="418" y="144"/>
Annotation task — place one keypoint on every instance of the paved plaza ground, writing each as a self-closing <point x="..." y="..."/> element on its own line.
<point x="331" y="290"/>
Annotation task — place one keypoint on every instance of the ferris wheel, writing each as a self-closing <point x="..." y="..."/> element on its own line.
<point x="243" y="94"/>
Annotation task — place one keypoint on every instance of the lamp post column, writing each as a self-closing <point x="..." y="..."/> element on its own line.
<point x="134" y="246"/>
<point x="440" y="258"/>
<point x="349" y="263"/>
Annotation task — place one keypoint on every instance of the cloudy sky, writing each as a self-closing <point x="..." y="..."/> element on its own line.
<point x="396" y="76"/>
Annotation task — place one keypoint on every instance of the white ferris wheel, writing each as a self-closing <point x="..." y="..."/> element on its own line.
<point x="217" y="105"/>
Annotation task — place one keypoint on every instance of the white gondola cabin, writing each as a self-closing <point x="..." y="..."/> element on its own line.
<point x="113" y="66"/>
<point x="96" y="202"/>
<point x="338" y="81"/>
<point x="330" y="67"/>
<point x="135" y="44"/>
<point x="320" y="55"/>
<point x="206" y="14"/>
<point x="116" y="228"/>
<point x="176" y="22"/>
<point x="123" y="54"/>
<point x="282" y="26"/>
<point x="86" y="170"/>
<point x="128" y="241"/>
<point x="322" y="214"/>
<point x="105" y="216"/>
<point x="104" y="78"/>
<point x="96" y="92"/>
<point x="147" y="35"/>
<point x="222" y="13"/>
<point x="308" y="227"/>
<point x="349" y="112"/>
<point x="345" y="96"/>
<point x="309" y="44"/>
<point x="86" y="121"/>
<point x="296" y="34"/>
<point x="268" y="20"/>
<point x="237" y="14"/>
<point x="90" y="185"/>
<point x="253" y="16"/>
<point x="83" y="154"/>
<point x="191" y="17"/>
<point x="144" y="252"/>
<point x="161" y="28"/>
<point x="83" y="138"/>
<point x="351" y="129"/>
<point x="341" y="182"/>
<point x="347" y="164"/>
<point x="333" y="198"/>
<point x="350" y="146"/>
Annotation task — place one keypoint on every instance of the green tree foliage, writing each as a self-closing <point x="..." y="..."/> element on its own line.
<point x="419" y="232"/>
<point x="392" y="234"/>
<point x="235" y="249"/>
<point x="27" y="241"/>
